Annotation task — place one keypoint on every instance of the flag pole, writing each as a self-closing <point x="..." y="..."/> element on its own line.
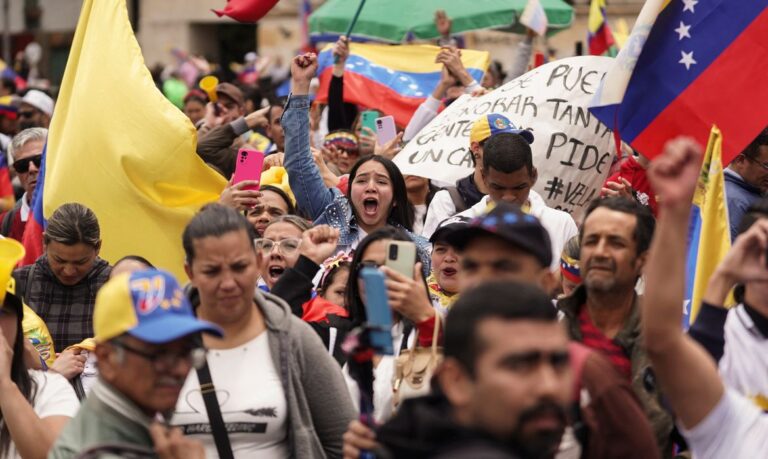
<point x="351" y="26"/>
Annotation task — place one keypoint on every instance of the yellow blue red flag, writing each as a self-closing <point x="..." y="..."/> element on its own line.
<point x="393" y="79"/>
<point x="119" y="147"/>
<point x="710" y="235"/>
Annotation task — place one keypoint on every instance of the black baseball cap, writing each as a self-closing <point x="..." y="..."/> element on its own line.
<point x="510" y="223"/>
<point x="447" y="226"/>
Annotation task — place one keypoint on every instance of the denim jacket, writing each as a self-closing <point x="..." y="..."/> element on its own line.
<point x="323" y="205"/>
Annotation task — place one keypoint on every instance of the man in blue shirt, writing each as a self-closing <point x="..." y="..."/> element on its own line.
<point x="746" y="180"/>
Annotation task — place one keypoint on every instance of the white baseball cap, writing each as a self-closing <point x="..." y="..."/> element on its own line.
<point x="39" y="100"/>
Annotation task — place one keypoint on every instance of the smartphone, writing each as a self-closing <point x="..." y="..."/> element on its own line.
<point x="248" y="166"/>
<point x="401" y="257"/>
<point x="378" y="311"/>
<point x="368" y="119"/>
<point x="385" y="129"/>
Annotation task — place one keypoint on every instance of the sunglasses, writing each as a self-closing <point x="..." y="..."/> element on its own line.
<point x="285" y="246"/>
<point x="26" y="114"/>
<point x="22" y="165"/>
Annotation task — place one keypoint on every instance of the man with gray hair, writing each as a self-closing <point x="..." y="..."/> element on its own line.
<point x="61" y="285"/>
<point x="26" y="149"/>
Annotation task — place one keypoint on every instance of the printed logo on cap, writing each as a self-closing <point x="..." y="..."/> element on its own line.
<point x="500" y="123"/>
<point x="151" y="293"/>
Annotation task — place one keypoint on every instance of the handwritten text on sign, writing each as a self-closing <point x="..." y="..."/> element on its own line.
<point x="572" y="150"/>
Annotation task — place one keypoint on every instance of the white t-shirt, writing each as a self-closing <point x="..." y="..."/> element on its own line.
<point x="744" y="365"/>
<point x="251" y="398"/>
<point x="734" y="429"/>
<point x="54" y="397"/>
<point x="559" y="225"/>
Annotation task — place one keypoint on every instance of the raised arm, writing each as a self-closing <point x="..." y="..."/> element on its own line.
<point x="687" y="374"/>
<point x="312" y="196"/>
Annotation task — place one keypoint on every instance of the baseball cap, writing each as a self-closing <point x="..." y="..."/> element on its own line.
<point x="447" y="226"/>
<point x="510" y="223"/>
<point x="490" y="125"/>
<point x="148" y="305"/>
<point x="231" y="91"/>
<point x="39" y="100"/>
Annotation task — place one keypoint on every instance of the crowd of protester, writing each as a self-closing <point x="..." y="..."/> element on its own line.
<point x="516" y="331"/>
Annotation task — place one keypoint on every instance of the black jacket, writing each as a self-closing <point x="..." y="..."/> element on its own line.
<point x="423" y="428"/>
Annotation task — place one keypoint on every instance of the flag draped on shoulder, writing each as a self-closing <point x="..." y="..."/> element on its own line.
<point x="119" y="147"/>
<point x="687" y="65"/>
<point x="599" y="36"/>
<point x="392" y="79"/>
<point x="710" y="236"/>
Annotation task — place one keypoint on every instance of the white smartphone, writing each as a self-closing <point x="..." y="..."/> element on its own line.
<point x="401" y="257"/>
<point x="385" y="129"/>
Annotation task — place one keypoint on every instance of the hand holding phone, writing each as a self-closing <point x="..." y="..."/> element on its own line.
<point x="368" y="119"/>
<point x="385" y="129"/>
<point x="401" y="257"/>
<point x="248" y="167"/>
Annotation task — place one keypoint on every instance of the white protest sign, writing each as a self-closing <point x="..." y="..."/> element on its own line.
<point x="572" y="149"/>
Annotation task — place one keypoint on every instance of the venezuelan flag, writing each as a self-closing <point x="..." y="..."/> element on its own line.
<point x="392" y="79"/>
<point x="709" y="234"/>
<point x="599" y="35"/>
<point x="127" y="154"/>
<point x="702" y="63"/>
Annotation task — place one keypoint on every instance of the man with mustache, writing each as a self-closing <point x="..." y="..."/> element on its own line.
<point x="146" y="344"/>
<point x="603" y="313"/>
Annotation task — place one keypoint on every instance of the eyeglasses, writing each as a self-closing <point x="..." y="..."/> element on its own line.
<point x="764" y="165"/>
<point x="166" y="360"/>
<point x="285" y="246"/>
<point x="27" y="114"/>
<point x="22" y="165"/>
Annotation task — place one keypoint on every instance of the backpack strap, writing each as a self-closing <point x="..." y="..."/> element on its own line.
<point x="458" y="200"/>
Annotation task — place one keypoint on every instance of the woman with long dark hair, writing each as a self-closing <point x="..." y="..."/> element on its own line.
<point x="34" y="405"/>
<point x="411" y="308"/>
<point x="376" y="196"/>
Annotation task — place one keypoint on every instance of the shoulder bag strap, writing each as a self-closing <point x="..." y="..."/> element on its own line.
<point x="219" y="430"/>
<point x="458" y="200"/>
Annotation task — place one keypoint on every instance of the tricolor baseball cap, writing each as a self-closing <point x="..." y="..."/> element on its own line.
<point x="148" y="305"/>
<point x="490" y="125"/>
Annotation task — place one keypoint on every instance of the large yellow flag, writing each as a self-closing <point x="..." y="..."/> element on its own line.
<point x="119" y="147"/>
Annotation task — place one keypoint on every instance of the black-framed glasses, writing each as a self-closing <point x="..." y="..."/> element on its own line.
<point x="285" y="246"/>
<point x="166" y="360"/>
<point x="762" y="164"/>
<point x="22" y="165"/>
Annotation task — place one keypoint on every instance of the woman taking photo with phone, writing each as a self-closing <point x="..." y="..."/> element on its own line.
<point x="412" y="311"/>
<point x="279" y="392"/>
<point x="376" y="196"/>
